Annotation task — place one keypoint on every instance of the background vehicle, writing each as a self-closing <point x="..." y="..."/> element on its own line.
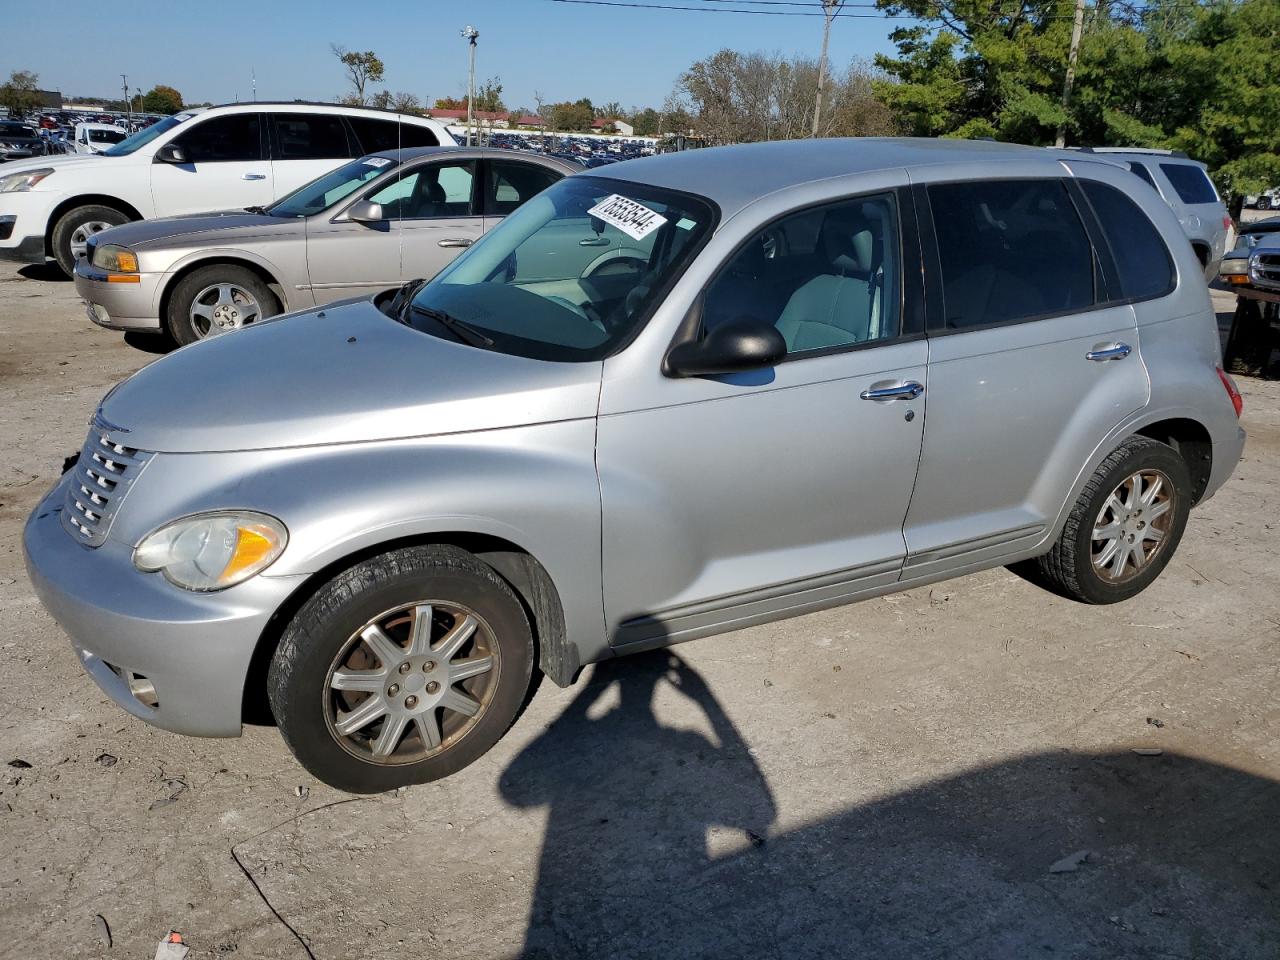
<point x="1263" y="201"/>
<point x="371" y="224"/>
<point x="1185" y="186"/>
<point x="541" y="457"/>
<point x="97" y="137"/>
<point x="232" y="156"/>
<point x="1234" y="268"/>
<point x="18" y="141"/>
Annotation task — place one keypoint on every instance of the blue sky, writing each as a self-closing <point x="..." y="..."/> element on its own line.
<point x="564" y="51"/>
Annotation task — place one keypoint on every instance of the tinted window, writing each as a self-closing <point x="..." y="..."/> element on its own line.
<point x="825" y="277"/>
<point x="1140" y="254"/>
<point x="434" y="190"/>
<point x="221" y="139"/>
<point x="512" y="183"/>
<point x="377" y="135"/>
<point x="1192" y="183"/>
<point x="310" y="136"/>
<point x="1141" y="170"/>
<point x="1010" y="250"/>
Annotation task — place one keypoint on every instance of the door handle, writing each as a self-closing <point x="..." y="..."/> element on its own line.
<point x="455" y="242"/>
<point x="1109" y="351"/>
<point x="253" y="176"/>
<point x="898" y="391"/>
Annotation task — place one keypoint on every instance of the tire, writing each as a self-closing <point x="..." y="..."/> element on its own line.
<point x="74" y="226"/>
<point x="229" y="294"/>
<point x="1070" y="568"/>
<point x="315" y="687"/>
<point x="1264" y="203"/>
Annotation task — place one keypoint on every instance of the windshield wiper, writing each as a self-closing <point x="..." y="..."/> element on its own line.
<point x="261" y="211"/>
<point x="459" y="328"/>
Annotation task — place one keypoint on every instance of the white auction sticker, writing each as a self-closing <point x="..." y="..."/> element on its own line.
<point x="634" y="219"/>
<point x="376" y="162"/>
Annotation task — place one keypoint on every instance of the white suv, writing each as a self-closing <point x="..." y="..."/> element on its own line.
<point x="232" y="156"/>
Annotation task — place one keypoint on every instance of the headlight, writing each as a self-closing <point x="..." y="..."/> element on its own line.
<point x="115" y="258"/>
<point x="19" y="182"/>
<point x="212" y="551"/>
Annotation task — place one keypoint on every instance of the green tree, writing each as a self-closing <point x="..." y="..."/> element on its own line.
<point x="362" y="69"/>
<point x="646" y="122"/>
<point x="162" y="99"/>
<point x="577" y="115"/>
<point x="489" y="96"/>
<point x="19" y="93"/>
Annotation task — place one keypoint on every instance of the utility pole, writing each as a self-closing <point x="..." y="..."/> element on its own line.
<point x="253" y="80"/>
<point x="127" y="105"/>
<point x="1076" y="29"/>
<point x="829" y="8"/>
<point x="471" y="34"/>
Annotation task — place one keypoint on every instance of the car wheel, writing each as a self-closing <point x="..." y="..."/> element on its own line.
<point x="403" y="669"/>
<point x="1125" y="525"/>
<point x="74" y="228"/>
<point x="215" y="300"/>
<point x="1264" y="203"/>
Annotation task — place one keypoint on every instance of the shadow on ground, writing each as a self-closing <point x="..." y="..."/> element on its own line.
<point x="48" y="272"/>
<point x="1184" y="855"/>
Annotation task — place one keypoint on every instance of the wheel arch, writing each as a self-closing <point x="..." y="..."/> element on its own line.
<point x="1192" y="441"/>
<point x="185" y="269"/>
<point x="522" y="571"/>
<point x="84" y="200"/>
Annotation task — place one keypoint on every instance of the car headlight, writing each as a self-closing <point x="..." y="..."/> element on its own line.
<point x="212" y="551"/>
<point x="115" y="258"/>
<point x="19" y="182"/>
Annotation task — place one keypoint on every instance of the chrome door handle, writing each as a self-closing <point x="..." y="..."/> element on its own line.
<point x="455" y="242"/>
<point x="253" y="176"/>
<point x="1110" y="351"/>
<point x="899" y="391"/>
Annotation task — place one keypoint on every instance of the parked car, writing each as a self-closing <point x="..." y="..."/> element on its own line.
<point x="232" y="156"/>
<point x="1234" y="269"/>
<point x="97" y="137"/>
<point x="371" y="224"/>
<point x="19" y="141"/>
<point x="1264" y="200"/>
<point x="1185" y="186"/>
<point x="389" y="515"/>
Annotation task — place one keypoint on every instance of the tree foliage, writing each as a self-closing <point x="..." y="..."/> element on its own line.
<point x="576" y="116"/>
<point x="162" y="99"/>
<point x="362" y="69"/>
<point x="19" y="92"/>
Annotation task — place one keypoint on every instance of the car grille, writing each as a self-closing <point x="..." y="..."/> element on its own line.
<point x="100" y="479"/>
<point x="1264" y="270"/>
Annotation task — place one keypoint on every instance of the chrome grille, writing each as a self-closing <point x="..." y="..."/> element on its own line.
<point x="99" y="481"/>
<point x="1264" y="270"/>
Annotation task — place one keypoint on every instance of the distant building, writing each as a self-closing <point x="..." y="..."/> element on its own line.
<point x="621" y="126"/>
<point x="49" y="99"/>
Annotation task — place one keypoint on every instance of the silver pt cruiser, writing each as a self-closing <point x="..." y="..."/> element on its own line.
<point x="788" y="376"/>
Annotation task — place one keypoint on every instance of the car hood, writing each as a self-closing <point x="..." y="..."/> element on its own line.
<point x="205" y="229"/>
<point x="344" y="374"/>
<point x="57" y="161"/>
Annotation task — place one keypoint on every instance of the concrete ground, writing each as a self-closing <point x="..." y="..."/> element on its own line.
<point x="890" y="780"/>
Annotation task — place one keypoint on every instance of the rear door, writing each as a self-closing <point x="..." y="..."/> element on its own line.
<point x="1030" y="366"/>
<point x="509" y="183"/>
<point x="305" y="146"/>
<point x="225" y="167"/>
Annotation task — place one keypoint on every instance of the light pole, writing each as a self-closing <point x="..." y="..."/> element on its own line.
<point x="127" y="105"/>
<point x="471" y="34"/>
<point x="829" y="8"/>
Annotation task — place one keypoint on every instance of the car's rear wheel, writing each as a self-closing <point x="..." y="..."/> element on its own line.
<point x="1264" y="203"/>
<point x="1125" y="525"/>
<point x="403" y="669"/>
<point x="74" y="228"/>
<point x="217" y="299"/>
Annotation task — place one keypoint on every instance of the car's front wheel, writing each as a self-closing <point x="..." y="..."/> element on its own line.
<point x="70" y="240"/>
<point x="217" y="299"/>
<point x="1124" y="526"/>
<point x="403" y="669"/>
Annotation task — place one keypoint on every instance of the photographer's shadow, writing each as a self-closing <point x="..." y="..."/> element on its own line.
<point x="635" y="808"/>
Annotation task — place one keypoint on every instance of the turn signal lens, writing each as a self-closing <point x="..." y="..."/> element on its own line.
<point x="114" y="258"/>
<point x="1237" y="401"/>
<point x="1237" y="278"/>
<point x="212" y="551"/>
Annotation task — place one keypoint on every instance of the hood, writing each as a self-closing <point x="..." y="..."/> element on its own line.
<point x="224" y="227"/>
<point x="56" y="161"/>
<point x="344" y="374"/>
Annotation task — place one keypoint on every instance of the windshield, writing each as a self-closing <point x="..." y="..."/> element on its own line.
<point x="573" y="273"/>
<point x="324" y="192"/>
<point x="106" y="136"/>
<point x="140" y="139"/>
<point x="16" y="130"/>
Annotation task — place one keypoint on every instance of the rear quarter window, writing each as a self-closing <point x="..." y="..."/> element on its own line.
<point x="378" y="135"/>
<point x="1191" y="183"/>
<point x="1139" y="252"/>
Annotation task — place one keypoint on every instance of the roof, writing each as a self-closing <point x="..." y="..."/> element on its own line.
<point x="467" y="153"/>
<point x="738" y="175"/>
<point x="307" y="106"/>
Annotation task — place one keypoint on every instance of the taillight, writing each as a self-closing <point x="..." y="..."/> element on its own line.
<point x="1226" y="223"/>
<point x="1237" y="401"/>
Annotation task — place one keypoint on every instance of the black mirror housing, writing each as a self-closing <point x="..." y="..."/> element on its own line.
<point x="170" y="153"/>
<point x="729" y="348"/>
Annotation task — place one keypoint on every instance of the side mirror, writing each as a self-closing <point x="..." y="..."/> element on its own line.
<point x="729" y="348"/>
<point x="171" y="153"/>
<point x="365" y="211"/>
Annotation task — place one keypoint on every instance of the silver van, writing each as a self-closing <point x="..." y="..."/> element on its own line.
<point x="704" y="391"/>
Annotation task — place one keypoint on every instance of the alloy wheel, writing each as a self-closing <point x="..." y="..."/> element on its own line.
<point x="81" y="234"/>
<point x="1133" y="525"/>
<point x="221" y="308"/>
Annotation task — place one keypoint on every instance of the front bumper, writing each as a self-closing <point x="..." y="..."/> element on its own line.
<point x="26" y="214"/>
<point x="120" y="306"/>
<point x="195" y="648"/>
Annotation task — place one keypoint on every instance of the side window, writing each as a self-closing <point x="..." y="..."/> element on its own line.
<point x="825" y="277"/>
<point x="1141" y="257"/>
<point x="1010" y="250"/>
<point x="310" y="136"/>
<point x="511" y="183"/>
<point x="1143" y="173"/>
<point x="1192" y="183"/>
<point x="377" y="135"/>
<point x="434" y="190"/>
<point x="223" y="139"/>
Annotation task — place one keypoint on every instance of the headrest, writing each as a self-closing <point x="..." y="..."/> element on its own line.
<point x="848" y="242"/>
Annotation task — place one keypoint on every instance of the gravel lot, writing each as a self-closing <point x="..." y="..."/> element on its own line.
<point x="893" y="779"/>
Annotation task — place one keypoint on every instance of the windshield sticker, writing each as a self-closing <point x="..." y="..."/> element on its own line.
<point x="183" y="116"/>
<point x="376" y="162"/>
<point x="634" y="219"/>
